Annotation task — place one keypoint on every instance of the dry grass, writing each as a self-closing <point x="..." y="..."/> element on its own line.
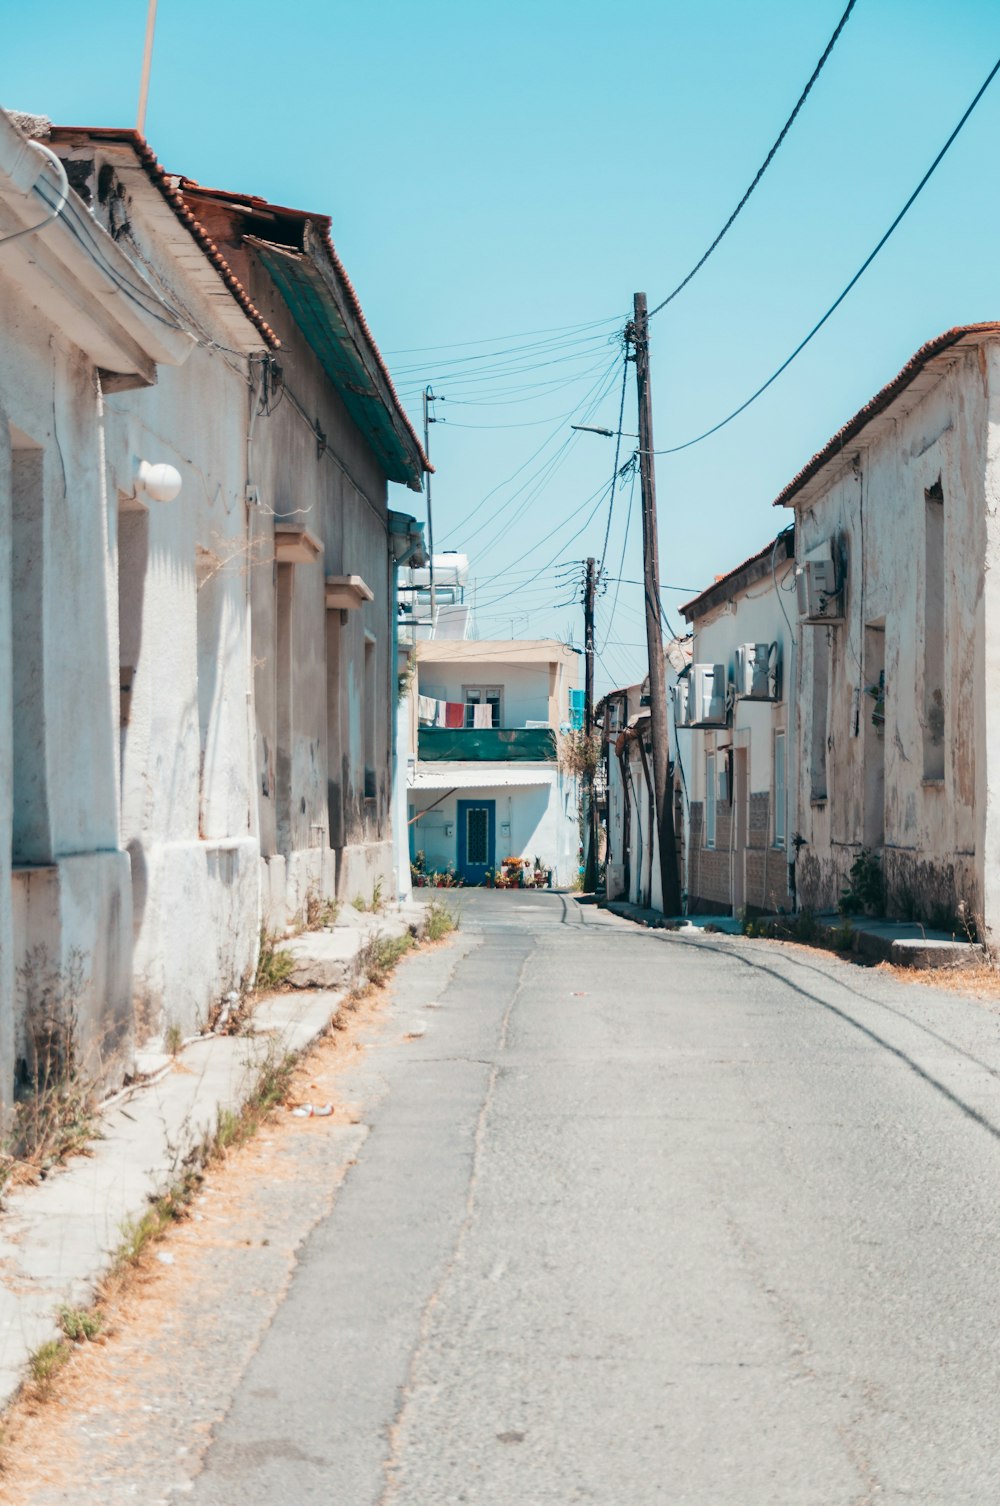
<point x="978" y="980"/>
<point x="75" y="1371"/>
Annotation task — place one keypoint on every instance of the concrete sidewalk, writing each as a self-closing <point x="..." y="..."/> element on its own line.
<point x="904" y="943"/>
<point x="58" y="1238"/>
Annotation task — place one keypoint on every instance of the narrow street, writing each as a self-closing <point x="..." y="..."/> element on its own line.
<point x="637" y="1219"/>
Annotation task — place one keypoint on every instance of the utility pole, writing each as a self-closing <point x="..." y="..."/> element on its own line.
<point x="428" y="420"/>
<point x="589" y="593"/>
<point x="147" y="63"/>
<point x="637" y="334"/>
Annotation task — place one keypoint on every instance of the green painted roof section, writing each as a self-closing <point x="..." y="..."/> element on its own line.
<point x="315" y="310"/>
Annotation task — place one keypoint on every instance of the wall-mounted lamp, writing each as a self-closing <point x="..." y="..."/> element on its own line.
<point x="161" y="482"/>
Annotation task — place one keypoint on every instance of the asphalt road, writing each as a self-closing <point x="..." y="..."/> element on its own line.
<point x="604" y="1215"/>
<point x="641" y="1219"/>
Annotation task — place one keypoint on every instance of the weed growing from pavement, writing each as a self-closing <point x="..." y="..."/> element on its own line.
<point x="54" y="1113"/>
<point x="273" y="967"/>
<point x="271" y="1087"/>
<point x="440" y="921"/>
<point x="45" y="1363"/>
<point x="81" y="1325"/>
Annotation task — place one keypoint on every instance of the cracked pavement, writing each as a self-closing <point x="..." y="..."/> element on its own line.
<point x="631" y="1219"/>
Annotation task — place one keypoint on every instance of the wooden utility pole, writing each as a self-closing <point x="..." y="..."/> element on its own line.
<point x="638" y="335"/>
<point x="589" y="594"/>
<point x="428" y="420"/>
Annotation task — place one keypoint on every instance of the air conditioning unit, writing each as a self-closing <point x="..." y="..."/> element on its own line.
<point x="758" y="671"/>
<point x="819" y="591"/>
<point x="680" y="696"/>
<point x="707" y="697"/>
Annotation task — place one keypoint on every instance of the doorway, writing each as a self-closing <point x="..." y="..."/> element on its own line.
<point x="477" y="826"/>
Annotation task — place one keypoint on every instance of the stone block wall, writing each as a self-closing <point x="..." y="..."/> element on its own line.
<point x="710" y="871"/>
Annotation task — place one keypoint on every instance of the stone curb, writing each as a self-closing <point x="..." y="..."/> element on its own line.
<point x="58" y="1238"/>
<point x="880" y="941"/>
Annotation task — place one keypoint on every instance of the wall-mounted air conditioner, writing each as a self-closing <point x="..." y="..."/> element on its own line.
<point x="758" y="671"/>
<point x="707" y="698"/>
<point x="819" y="590"/>
<point x="680" y="696"/>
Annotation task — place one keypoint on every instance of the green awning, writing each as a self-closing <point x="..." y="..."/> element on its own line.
<point x="313" y="303"/>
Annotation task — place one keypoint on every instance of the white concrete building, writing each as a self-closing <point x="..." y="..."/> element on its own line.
<point x="481" y="792"/>
<point x="200" y="613"/>
<point x="632" y="869"/>
<point x="898" y="548"/>
<point x="740" y="770"/>
<point x="78" y="329"/>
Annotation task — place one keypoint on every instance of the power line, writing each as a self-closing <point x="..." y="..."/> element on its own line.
<point x="764" y="165"/>
<point x="675" y="449"/>
<point x="618" y="446"/>
<point x="523" y="334"/>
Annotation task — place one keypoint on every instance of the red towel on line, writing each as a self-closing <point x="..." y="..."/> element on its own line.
<point x="454" y="714"/>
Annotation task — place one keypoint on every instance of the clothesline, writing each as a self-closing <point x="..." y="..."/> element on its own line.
<point x="434" y="713"/>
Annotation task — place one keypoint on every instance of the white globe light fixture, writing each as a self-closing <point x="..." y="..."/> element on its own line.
<point x="161" y="482"/>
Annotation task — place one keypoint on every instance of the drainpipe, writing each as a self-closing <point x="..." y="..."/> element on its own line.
<point x="652" y="826"/>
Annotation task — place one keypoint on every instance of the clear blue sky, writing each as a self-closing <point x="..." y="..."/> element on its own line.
<point x="497" y="169"/>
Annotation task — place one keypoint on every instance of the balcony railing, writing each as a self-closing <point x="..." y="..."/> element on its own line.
<point x="493" y="744"/>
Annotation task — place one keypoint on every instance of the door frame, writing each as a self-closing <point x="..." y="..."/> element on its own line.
<point x="466" y="872"/>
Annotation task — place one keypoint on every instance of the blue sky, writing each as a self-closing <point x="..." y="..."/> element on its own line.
<point x="492" y="170"/>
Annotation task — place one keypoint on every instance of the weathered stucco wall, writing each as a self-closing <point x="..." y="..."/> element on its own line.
<point x="64" y="893"/>
<point x="913" y="788"/>
<point x="747" y="868"/>
<point x="322" y="693"/>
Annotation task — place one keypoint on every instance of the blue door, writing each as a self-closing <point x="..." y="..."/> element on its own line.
<point x="477" y="839"/>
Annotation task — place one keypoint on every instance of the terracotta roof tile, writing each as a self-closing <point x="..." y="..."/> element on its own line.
<point x="322" y="222"/>
<point x="880" y="402"/>
<point x="162" y="180"/>
<point x="690" y="608"/>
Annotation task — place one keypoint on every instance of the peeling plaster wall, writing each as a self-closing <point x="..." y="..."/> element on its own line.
<point x="65" y="907"/>
<point x="311" y="717"/>
<point x="180" y="573"/>
<point x="936" y="831"/>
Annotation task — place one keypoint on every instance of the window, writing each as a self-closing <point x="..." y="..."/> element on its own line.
<point x="779" y="789"/>
<point x="934" y="701"/>
<point x="482" y="695"/>
<point x="477" y="835"/>
<point x="710" y="799"/>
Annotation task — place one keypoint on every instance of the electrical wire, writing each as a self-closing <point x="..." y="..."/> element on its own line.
<point x="544" y="480"/>
<point x="621" y="563"/>
<point x="519" y="335"/>
<point x="56" y="162"/>
<point x="545" y="471"/>
<point x="618" y="447"/>
<point x="675" y="449"/>
<point x="764" y="165"/>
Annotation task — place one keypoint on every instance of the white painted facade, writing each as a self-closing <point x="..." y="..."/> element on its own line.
<point x="534" y="804"/>
<point x="906" y="495"/>
<point x="632" y="869"/>
<point x="199" y="739"/>
<point x="740" y="777"/>
<point x="67" y="335"/>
